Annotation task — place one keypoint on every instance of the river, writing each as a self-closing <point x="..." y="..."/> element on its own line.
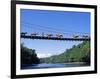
<point x="50" y="65"/>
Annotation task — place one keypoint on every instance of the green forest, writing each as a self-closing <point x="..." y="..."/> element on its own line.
<point x="79" y="53"/>
<point x="28" y="56"/>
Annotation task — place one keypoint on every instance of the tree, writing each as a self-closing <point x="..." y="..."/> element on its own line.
<point x="28" y="56"/>
<point x="79" y="53"/>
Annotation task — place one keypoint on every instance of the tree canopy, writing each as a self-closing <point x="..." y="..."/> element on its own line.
<point x="28" y="56"/>
<point x="79" y="53"/>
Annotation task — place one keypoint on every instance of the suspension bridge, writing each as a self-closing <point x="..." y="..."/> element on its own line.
<point x="54" y="33"/>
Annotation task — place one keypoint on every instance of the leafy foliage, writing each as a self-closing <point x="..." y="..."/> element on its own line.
<point x="79" y="53"/>
<point x="28" y="56"/>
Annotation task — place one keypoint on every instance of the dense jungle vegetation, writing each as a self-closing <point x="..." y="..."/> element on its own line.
<point x="28" y="56"/>
<point x="79" y="53"/>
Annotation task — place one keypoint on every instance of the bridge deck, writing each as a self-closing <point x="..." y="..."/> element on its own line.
<point x="54" y="38"/>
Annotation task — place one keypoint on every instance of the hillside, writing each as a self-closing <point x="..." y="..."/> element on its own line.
<point x="28" y="56"/>
<point x="79" y="53"/>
